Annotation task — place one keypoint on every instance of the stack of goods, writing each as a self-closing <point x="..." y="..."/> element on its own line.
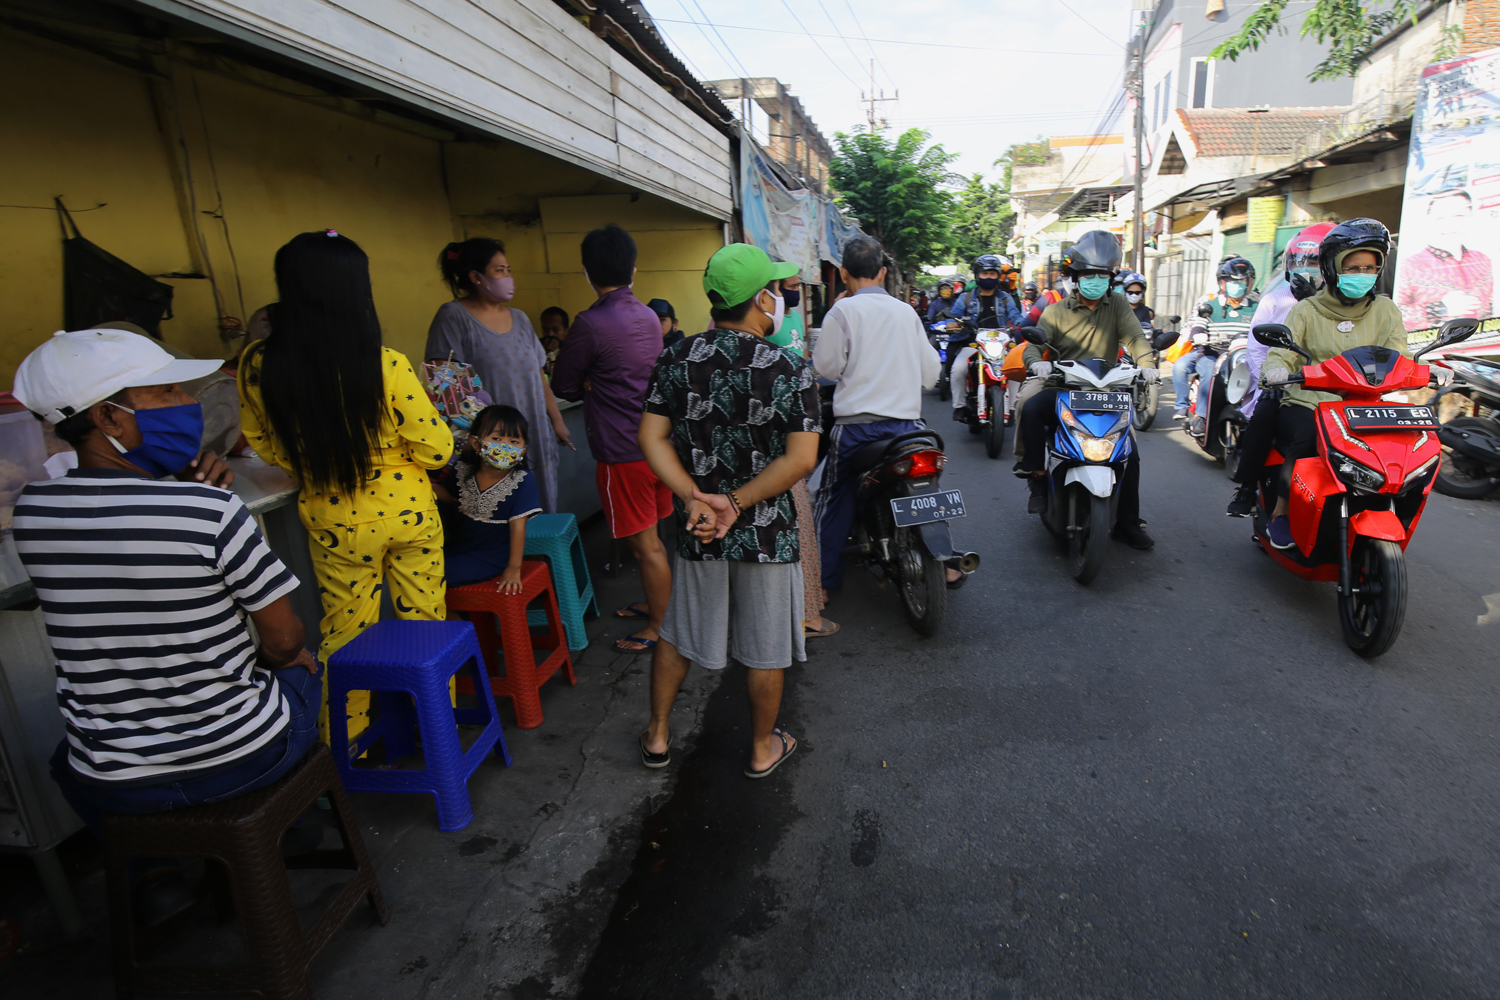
<point x="458" y="395"/>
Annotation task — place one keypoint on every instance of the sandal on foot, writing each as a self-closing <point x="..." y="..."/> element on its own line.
<point x="631" y="611"/>
<point x="647" y="644"/>
<point x="788" y="747"/>
<point x="655" y="760"/>
<point x="829" y="628"/>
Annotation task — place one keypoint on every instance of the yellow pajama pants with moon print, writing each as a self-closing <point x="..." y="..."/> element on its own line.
<point x="354" y="563"/>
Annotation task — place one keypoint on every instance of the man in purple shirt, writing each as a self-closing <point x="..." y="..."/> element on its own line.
<point x="606" y="361"/>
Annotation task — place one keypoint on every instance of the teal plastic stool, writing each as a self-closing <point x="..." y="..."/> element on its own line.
<point x="555" y="537"/>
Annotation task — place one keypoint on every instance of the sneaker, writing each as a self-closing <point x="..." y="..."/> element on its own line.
<point x="1243" y="504"/>
<point x="1133" y="533"/>
<point x="959" y="416"/>
<point x="1195" y="426"/>
<point x="1179" y="414"/>
<point x="1037" y="503"/>
<point x="1279" y="532"/>
<point x="1019" y="472"/>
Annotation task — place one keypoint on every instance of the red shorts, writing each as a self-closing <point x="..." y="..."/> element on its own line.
<point x="634" y="499"/>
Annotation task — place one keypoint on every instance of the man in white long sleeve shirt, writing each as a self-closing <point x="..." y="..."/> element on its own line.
<point x="875" y="348"/>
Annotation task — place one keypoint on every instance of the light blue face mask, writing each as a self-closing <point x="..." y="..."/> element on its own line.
<point x="1356" y="286"/>
<point x="1234" y="289"/>
<point x="1093" y="286"/>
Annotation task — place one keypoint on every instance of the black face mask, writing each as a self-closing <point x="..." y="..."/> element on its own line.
<point x="791" y="296"/>
<point x="988" y="284"/>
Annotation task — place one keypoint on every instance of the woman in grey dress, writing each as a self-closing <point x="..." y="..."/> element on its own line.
<point x="479" y="329"/>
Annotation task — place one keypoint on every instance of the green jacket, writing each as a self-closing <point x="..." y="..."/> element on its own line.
<point x="1077" y="333"/>
<point x="1316" y="325"/>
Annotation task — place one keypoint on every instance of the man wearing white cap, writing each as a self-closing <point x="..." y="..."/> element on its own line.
<point x="145" y="583"/>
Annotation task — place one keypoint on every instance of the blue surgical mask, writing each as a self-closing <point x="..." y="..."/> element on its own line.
<point x="1356" y="286"/>
<point x="1093" y="286"/>
<point x="1234" y="289"/>
<point x="171" y="437"/>
<point x="501" y="455"/>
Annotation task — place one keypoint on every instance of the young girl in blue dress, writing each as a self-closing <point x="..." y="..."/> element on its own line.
<point x="489" y="493"/>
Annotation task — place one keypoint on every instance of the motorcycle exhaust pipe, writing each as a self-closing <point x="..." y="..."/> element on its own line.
<point x="966" y="562"/>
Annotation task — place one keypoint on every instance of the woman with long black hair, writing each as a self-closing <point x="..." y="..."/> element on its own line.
<point x="479" y="329"/>
<point x="348" y="419"/>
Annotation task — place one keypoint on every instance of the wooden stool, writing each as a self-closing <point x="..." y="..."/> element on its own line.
<point x="482" y="604"/>
<point x="244" y="835"/>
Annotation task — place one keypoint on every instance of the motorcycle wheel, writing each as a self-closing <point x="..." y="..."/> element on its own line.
<point x="1229" y="445"/>
<point x="1086" y="547"/>
<point x="1463" y="477"/>
<point x="1143" y="412"/>
<point x="994" y="433"/>
<point x="923" y="582"/>
<point x="945" y="391"/>
<point x="1371" y="617"/>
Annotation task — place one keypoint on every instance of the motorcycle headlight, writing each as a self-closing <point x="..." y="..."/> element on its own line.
<point x="993" y="349"/>
<point x="1418" y="476"/>
<point x="1357" y="474"/>
<point x="1098" y="449"/>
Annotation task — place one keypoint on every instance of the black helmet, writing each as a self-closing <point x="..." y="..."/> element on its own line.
<point x="1030" y="286"/>
<point x="1095" y="250"/>
<point x="1356" y="234"/>
<point x="990" y="262"/>
<point x="1235" y="267"/>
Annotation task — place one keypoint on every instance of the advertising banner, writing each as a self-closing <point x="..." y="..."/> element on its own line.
<point x="792" y="225"/>
<point x="1450" y="216"/>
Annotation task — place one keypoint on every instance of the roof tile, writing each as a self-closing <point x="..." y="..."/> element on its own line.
<point x="1248" y="131"/>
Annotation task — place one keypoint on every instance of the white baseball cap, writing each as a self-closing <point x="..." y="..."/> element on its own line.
<point x="77" y="368"/>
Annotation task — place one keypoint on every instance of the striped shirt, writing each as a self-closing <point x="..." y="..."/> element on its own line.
<point x="144" y="587"/>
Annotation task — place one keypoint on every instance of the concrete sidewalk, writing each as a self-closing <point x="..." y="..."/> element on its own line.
<point x="554" y="834"/>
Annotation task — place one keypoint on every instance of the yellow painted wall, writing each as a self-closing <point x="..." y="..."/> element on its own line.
<point x="87" y="129"/>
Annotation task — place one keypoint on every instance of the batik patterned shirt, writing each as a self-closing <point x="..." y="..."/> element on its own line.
<point x="732" y="399"/>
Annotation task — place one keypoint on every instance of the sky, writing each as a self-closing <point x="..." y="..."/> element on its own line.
<point x="983" y="77"/>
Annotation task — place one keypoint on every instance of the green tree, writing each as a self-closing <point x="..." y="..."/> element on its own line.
<point x="895" y="190"/>
<point x="1351" y="26"/>
<point x="982" y="219"/>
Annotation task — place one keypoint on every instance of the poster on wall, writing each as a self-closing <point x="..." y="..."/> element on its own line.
<point x="1450" y="214"/>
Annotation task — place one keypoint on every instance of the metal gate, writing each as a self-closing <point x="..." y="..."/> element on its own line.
<point x="1180" y="278"/>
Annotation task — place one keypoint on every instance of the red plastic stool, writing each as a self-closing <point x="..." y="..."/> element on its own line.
<point x="483" y="605"/>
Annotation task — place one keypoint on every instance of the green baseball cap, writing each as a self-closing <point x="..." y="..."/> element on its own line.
<point x="735" y="273"/>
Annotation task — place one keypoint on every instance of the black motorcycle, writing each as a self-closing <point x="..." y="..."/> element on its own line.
<point x="1470" y="467"/>
<point x="1145" y="399"/>
<point x="901" y="523"/>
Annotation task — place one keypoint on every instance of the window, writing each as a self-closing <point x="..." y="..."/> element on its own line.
<point x="1166" y="97"/>
<point x="1203" y="78"/>
<point x="1155" y="105"/>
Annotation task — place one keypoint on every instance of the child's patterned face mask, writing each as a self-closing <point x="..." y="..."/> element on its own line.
<point x="501" y="454"/>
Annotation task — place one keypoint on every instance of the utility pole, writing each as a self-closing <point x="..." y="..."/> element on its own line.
<point x="1138" y="230"/>
<point x="872" y="100"/>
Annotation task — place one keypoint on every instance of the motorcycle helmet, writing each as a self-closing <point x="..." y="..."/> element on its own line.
<point x="1342" y="240"/>
<point x="991" y="262"/>
<point x="1030" y="286"/>
<point x="1095" y="250"/>
<point x="1237" y="268"/>
<point x="1128" y="278"/>
<point x="1302" y="257"/>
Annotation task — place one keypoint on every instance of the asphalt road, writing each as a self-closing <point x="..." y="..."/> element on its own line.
<point x="1176" y="782"/>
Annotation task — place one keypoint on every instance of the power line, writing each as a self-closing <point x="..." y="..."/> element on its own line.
<point x="809" y="34"/>
<point x="1091" y="24"/>
<point x="743" y="71"/>
<point x="873" y="53"/>
<point x="888" y="41"/>
<point x="835" y="24"/>
<point x="706" y="40"/>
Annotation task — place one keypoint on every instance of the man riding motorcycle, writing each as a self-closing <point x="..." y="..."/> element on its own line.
<point x="1029" y="294"/>
<point x="943" y="303"/>
<point x="1134" y="287"/>
<point x="1344" y="314"/>
<point x="1302" y="281"/>
<point x="988" y="307"/>
<point x="1092" y="322"/>
<point x="1220" y="319"/>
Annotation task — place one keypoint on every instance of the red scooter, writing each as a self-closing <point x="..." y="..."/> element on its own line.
<point x="1354" y="507"/>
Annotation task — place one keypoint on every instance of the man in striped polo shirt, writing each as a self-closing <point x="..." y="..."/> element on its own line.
<point x="146" y="568"/>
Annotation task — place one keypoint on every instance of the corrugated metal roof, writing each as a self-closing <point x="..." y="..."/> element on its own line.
<point x="1248" y="131"/>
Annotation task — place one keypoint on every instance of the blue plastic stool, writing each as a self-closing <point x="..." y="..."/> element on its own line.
<point x="406" y="666"/>
<point x="555" y="538"/>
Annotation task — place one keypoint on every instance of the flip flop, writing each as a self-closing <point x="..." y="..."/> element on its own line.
<point x="829" y="628"/>
<point x="631" y="611"/>
<point x="787" y="749"/>
<point x="655" y="760"/>
<point x="650" y="644"/>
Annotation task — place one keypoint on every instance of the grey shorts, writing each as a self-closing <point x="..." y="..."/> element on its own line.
<point x="724" y="608"/>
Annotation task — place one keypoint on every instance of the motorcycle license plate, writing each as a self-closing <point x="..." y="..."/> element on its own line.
<point x="1390" y="417"/>
<point x="910" y="511"/>
<point x="1100" y="402"/>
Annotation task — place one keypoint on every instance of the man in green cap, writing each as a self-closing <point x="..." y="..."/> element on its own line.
<point x="730" y="423"/>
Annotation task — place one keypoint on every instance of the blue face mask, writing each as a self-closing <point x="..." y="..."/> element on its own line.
<point x="1234" y="289"/>
<point x="988" y="284"/>
<point x="792" y="296"/>
<point x="170" y="438"/>
<point x="1093" y="286"/>
<point x="501" y="455"/>
<point x="1356" y="286"/>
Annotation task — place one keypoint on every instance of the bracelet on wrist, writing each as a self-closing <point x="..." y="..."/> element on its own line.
<point x="735" y="502"/>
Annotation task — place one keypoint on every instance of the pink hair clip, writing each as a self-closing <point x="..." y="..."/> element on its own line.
<point x="330" y="232"/>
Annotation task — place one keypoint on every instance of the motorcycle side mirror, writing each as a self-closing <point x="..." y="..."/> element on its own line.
<point x="1162" y="341"/>
<point x="1278" y="335"/>
<point x="1174" y="319"/>
<point x="1035" y="335"/>
<point x="1452" y="332"/>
